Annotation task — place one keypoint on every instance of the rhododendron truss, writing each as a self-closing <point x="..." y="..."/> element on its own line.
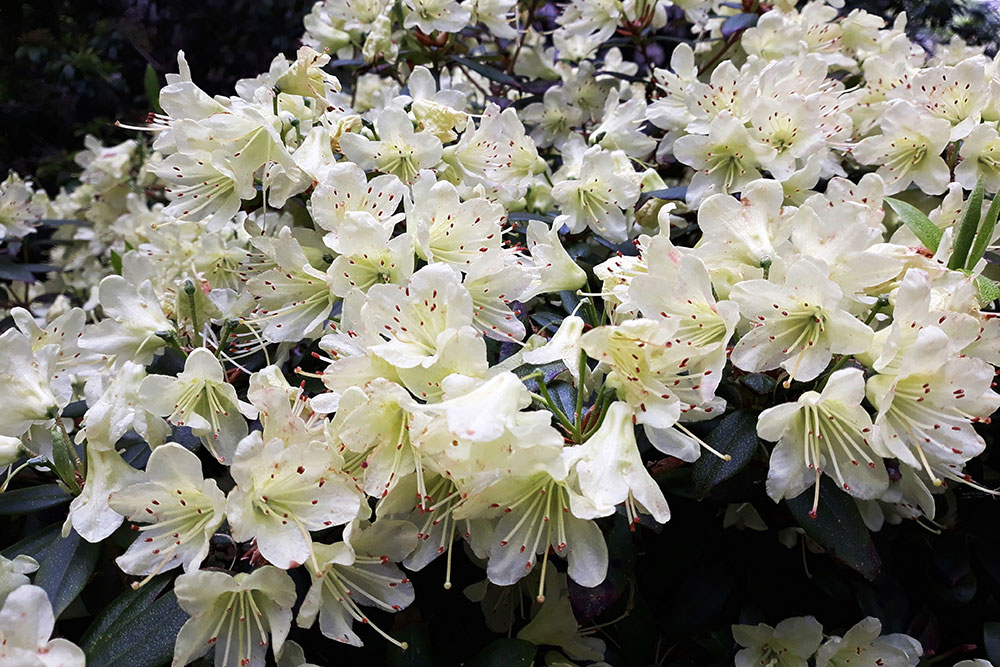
<point x="487" y="293"/>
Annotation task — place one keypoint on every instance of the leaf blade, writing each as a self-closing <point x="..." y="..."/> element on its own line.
<point x="925" y="230"/>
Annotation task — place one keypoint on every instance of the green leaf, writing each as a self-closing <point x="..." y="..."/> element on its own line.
<point x="34" y="545"/>
<point x="989" y="291"/>
<point x="738" y="22"/>
<point x="735" y="435"/>
<point x="137" y="629"/>
<point x="985" y="234"/>
<point x="63" y="456"/>
<point x="838" y="528"/>
<point x="991" y="641"/>
<point x="491" y="73"/>
<point x="919" y="224"/>
<point x="66" y="569"/>
<point x="419" y="651"/>
<point x="32" y="499"/>
<point x="676" y="193"/>
<point x="506" y="653"/>
<point x="116" y="263"/>
<point x="967" y="227"/>
<point x="151" y="82"/>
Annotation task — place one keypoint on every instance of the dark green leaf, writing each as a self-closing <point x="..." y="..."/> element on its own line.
<point x="985" y="234"/>
<point x="506" y="653"/>
<point x="989" y="291"/>
<point x="66" y="569"/>
<point x="967" y="227"/>
<point x="491" y="73"/>
<point x="991" y="641"/>
<point x="738" y="22"/>
<point x="152" y="84"/>
<point x="759" y="383"/>
<point x="116" y="262"/>
<point x="919" y="224"/>
<point x="521" y="216"/>
<point x="15" y="272"/>
<point x="32" y="499"/>
<point x="736" y="435"/>
<point x="34" y="545"/>
<point x="838" y="528"/>
<point x="138" y="628"/>
<point x="418" y="653"/>
<point x="63" y="456"/>
<point x="676" y="193"/>
<point x="564" y="396"/>
<point x="53" y="222"/>
<point x="75" y="410"/>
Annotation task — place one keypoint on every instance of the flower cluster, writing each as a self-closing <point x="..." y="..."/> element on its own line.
<point x="352" y="323"/>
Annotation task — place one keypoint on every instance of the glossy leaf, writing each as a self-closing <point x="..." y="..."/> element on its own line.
<point x="967" y="227"/>
<point x="985" y="234"/>
<point x="838" y="528"/>
<point x="735" y="435"/>
<point x="919" y="224"/>
<point x="32" y="499"/>
<point x="738" y="22"/>
<point x="137" y="628"/>
<point x="506" y="653"/>
<point x="66" y="569"/>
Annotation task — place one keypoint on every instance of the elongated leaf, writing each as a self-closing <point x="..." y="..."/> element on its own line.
<point x="736" y="435"/>
<point x="991" y="640"/>
<point x="32" y="499"/>
<point x="491" y="73"/>
<point x="34" y="545"/>
<point x="838" y="528"/>
<point x="985" y="234"/>
<point x="738" y="22"/>
<point x="138" y="628"/>
<point x="506" y="653"/>
<point x="989" y="291"/>
<point x="116" y="263"/>
<point x="919" y="224"/>
<point x="521" y="216"/>
<point x="967" y="227"/>
<point x="676" y="193"/>
<point x="419" y="651"/>
<point x="66" y="569"/>
<point x="152" y="85"/>
<point x="62" y="460"/>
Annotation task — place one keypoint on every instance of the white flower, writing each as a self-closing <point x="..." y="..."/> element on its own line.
<point x="283" y="493"/>
<point x="725" y="160"/>
<point x="798" y="326"/>
<point x="182" y="510"/>
<point x="790" y="644"/>
<point x="398" y="150"/>
<point x="980" y="154"/>
<point x="596" y="198"/>
<point x="14" y="574"/>
<point x="431" y="15"/>
<point x="200" y="398"/>
<point x="908" y="150"/>
<point x="824" y="432"/>
<point x="862" y="642"/>
<point x="610" y="470"/>
<point x="446" y="229"/>
<point x="26" y="623"/>
<point x="236" y="615"/>
<point x="361" y="570"/>
<point x="741" y="236"/>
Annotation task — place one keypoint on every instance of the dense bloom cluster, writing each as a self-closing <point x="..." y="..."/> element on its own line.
<point x="356" y="321"/>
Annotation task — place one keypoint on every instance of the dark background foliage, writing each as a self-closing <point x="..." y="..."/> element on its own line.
<point x="71" y="67"/>
<point x="68" y="68"/>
